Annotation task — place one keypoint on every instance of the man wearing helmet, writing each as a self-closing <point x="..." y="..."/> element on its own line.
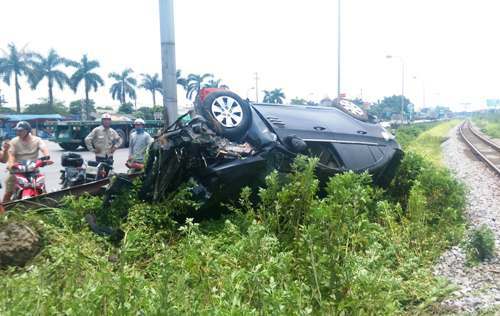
<point x="23" y="147"/>
<point x="139" y="142"/>
<point x="103" y="140"/>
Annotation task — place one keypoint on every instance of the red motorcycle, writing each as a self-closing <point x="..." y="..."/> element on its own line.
<point x="29" y="182"/>
<point x="134" y="166"/>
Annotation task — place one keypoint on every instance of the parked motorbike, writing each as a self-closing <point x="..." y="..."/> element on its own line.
<point x="74" y="172"/>
<point x="98" y="170"/>
<point x="29" y="182"/>
<point x="77" y="172"/>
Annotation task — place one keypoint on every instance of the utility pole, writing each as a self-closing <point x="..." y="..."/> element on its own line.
<point x="338" y="52"/>
<point x="256" y="87"/>
<point x="168" y="67"/>
<point x="402" y="83"/>
<point x="402" y="90"/>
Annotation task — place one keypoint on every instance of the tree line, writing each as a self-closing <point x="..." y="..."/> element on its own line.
<point x="16" y="63"/>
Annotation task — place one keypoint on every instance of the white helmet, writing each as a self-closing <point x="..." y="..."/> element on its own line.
<point x="139" y="121"/>
<point x="106" y="116"/>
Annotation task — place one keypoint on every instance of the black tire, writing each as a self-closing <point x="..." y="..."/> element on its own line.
<point x="352" y="109"/>
<point x="226" y="113"/>
<point x="123" y="136"/>
<point x="69" y="146"/>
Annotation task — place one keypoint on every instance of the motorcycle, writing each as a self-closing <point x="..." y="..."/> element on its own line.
<point x="134" y="167"/>
<point x="29" y="182"/>
<point x="77" y="172"/>
<point x="98" y="170"/>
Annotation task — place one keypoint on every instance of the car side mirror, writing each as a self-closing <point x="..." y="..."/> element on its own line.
<point x="296" y="144"/>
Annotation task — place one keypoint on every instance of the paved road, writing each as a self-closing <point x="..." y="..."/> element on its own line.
<point x="52" y="172"/>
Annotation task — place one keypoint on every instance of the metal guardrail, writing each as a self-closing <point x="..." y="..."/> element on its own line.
<point x="52" y="199"/>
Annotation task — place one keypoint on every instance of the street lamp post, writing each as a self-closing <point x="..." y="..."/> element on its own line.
<point x="338" y="52"/>
<point x="402" y="83"/>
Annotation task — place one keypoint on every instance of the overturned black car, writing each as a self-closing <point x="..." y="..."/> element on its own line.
<point x="227" y="143"/>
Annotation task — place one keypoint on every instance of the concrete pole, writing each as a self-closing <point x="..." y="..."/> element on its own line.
<point x="168" y="69"/>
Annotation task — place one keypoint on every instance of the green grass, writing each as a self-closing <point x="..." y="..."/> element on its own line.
<point x="428" y="142"/>
<point x="489" y="124"/>
<point x="357" y="249"/>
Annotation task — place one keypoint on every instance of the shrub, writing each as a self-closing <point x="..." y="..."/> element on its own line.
<point x="292" y="252"/>
<point x="480" y="244"/>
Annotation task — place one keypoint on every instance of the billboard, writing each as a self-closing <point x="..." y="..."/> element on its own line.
<point x="493" y="103"/>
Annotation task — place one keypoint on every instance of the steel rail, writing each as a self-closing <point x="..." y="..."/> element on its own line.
<point x="474" y="149"/>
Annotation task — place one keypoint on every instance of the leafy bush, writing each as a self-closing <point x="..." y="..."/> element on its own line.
<point x="480" y="244"/>
<point x="292" y="252"/>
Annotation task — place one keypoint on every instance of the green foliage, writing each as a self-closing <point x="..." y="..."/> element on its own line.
<point x="48" y="67"/>
<point x="126" y="108"/>
<point x="480" y="244"/>
<point x="274" y="96"/>
<point x="123" y="86"/>
<point x="13" y="65"/>
<point x="489" y="124"/>
<point x="426" y="139"/>
<point x="46" y="108"/>
<point x="301" y="101"/>
<point x="75" y="107"/>
<point x="406" y="134"/>
<point x="193" y="83"/>
<point x="6" y="110"/>
<point x="389" y="106"/>
<point x="409" y="170"/>
<point x="153" y="84"/>
<point x="145" y="113"/>
<point x="292" y="252"/>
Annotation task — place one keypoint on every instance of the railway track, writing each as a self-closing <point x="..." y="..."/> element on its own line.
<point x="484" y="148"/>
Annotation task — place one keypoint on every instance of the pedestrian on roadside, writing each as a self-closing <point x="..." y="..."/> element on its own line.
<point x="103" y="140"/>
<point x="139" y="142"/>
<point x="4" y="156"/>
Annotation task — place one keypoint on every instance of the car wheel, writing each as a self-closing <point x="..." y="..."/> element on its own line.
<point x="123" y="136"/>
<point x="352" y="109"/>
<point x="69" y="146"/>
<point x="226" y="113"/>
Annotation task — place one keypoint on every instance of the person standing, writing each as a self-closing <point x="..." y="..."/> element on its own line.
<point x="139" y="142"/>
<point x="103" y="140"/>
<point x="4" y="156"/>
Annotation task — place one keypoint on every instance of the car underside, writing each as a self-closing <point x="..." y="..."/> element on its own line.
<point x="227" y="143"/>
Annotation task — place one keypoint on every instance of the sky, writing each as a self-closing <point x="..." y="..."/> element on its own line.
<point x="450" y="49"/>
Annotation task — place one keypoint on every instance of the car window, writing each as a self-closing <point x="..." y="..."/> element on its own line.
<point x="325" y="153"/>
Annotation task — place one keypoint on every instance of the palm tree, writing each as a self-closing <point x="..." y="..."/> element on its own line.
<point x="14" y="63"/>
<point x="180" y="80"/>
<point x="214" y="84"/>
<point x="195" y="83"/>
<point x="46" y="67"/>
<point x="274" y="96"/>
<point x="90" y="79"/>
<point x="152" y="84"/>
<point x="124" y="85"/>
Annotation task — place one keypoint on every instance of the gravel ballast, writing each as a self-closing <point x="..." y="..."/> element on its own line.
<point x="478" y="287"/>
